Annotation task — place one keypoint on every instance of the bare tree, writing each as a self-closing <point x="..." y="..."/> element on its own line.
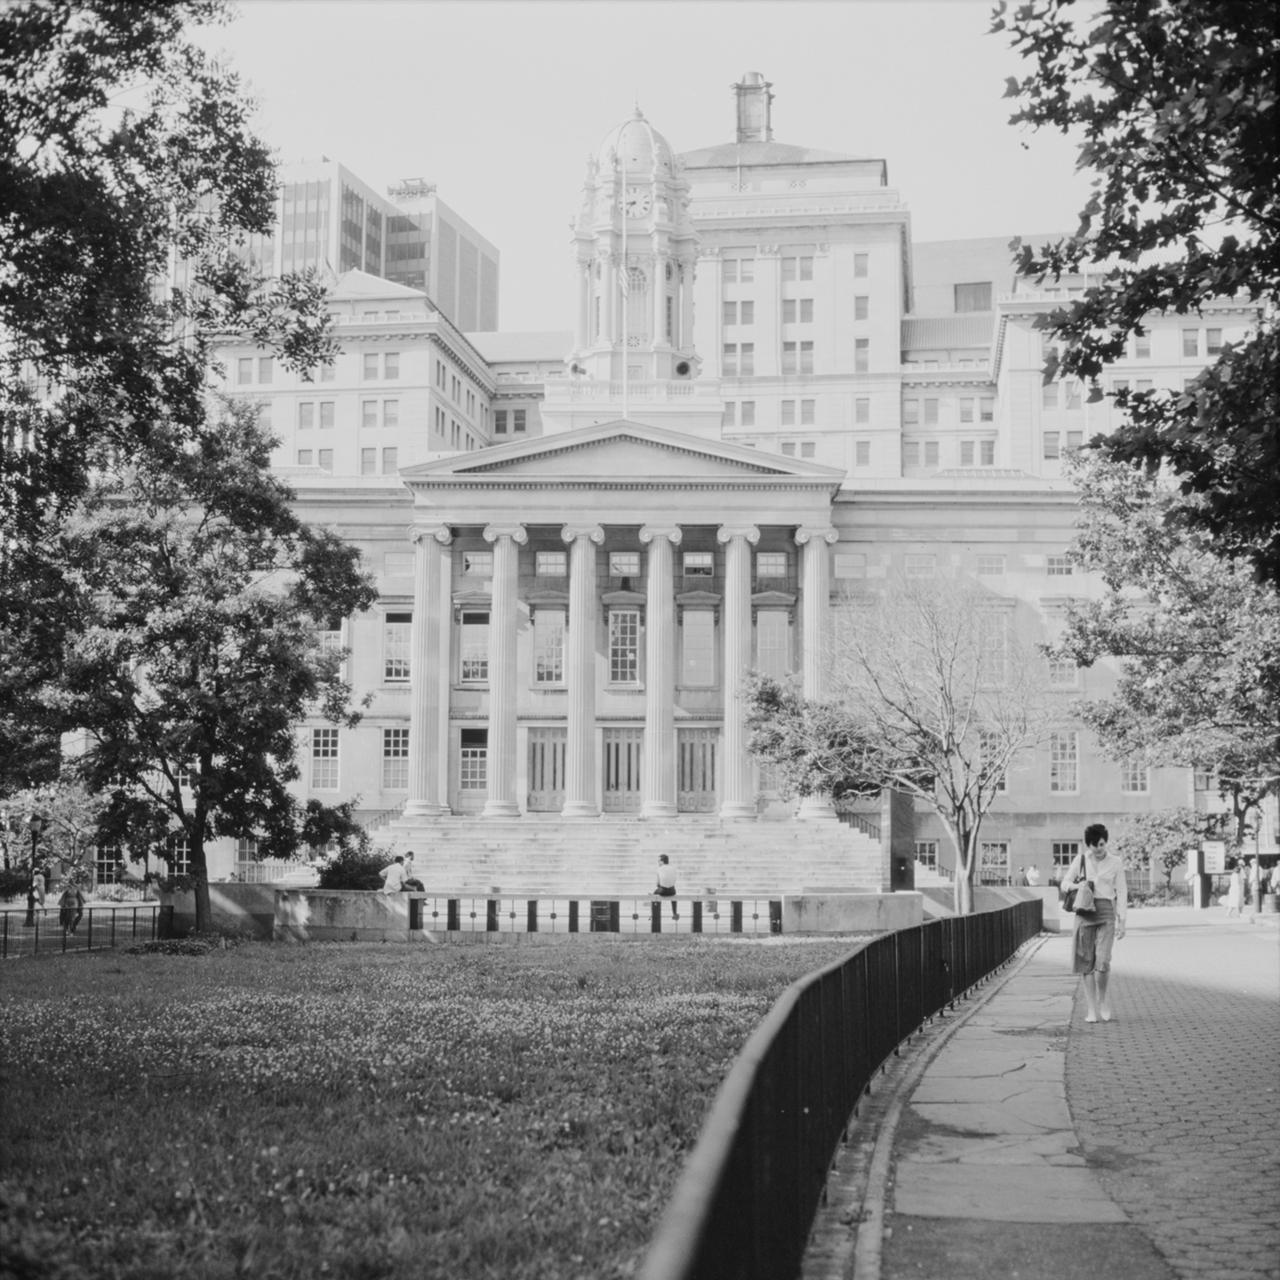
<point x="950" y="687"/>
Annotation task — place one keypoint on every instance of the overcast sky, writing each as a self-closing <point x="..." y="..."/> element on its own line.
<point x="499" y="102"/>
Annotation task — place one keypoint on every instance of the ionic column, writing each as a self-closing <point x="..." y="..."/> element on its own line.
<point x="582" y="338"/>
<point x="580" y="672"/>
<point x="737" y="795"/>
<point x="500" y="801"/>
<point x="658" y="762"/>
<point x="429" y="657"/>
<point x="659" y="300"/>
<point x="816" y="605"/>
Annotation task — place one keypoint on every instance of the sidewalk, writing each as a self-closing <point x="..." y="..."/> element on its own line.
<point x="1013" y="1139"/>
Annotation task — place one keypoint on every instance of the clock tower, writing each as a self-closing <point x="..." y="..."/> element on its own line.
<point x="636" y="252"/>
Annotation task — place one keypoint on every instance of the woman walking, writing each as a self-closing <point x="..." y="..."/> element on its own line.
<point x="1096" y="933"/>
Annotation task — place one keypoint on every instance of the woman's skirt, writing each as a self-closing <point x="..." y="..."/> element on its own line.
<point x="1094" y="937"/>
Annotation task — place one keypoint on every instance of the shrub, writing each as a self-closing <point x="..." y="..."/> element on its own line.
<point x="14" y="882"/>
<point x="354" y="869"/>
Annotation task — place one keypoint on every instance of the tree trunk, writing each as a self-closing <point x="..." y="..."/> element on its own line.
<point x="200" y="873"/>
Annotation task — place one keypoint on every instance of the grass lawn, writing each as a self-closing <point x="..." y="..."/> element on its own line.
<point x="365" y="1110"/>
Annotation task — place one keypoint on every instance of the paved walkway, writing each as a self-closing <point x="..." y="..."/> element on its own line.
<point x="1013" y="1139"/>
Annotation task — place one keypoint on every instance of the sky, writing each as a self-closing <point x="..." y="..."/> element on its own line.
<point x="500" y="102"/>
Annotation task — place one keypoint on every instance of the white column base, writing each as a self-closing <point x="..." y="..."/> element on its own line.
<point x="579" y="809"/>
<point x="738" y="810"/>
<point x="424" y="809"/>
<point x="817" y="809"/>
<point x="500" y="809"/>
<point x="657" y="809"/>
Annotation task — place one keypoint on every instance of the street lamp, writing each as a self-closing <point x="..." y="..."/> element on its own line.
<point x="37" y="823"/>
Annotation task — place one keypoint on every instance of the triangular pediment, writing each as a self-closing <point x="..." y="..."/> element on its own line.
<point x="620" y="450"/>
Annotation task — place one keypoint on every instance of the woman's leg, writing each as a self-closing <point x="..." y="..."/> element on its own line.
<point x="1091" y="995"/>
<point x="1104" y="1008"/>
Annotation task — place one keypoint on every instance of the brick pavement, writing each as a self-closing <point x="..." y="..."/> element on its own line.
<point x="1177" y="1102"/>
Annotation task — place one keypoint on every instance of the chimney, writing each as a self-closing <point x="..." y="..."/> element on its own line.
<point x="754" y="102"/>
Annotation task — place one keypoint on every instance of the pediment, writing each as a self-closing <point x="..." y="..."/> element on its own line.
<point x="622" y="451"/>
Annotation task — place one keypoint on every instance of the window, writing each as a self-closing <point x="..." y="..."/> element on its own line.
<point x="966" y="453"/>
<point x="698" y="648"/>
<point x="391" y="413"/>
<point x="244" y="370"/>
<point x="931" y="411"/>
<point x="1135" y="778"/>
<point x="861" y="355"/>
<point x="927" y="853"/>
<point x="860" y="263"/>
<point x="966" y="409"/>
<point x="911" y="413"/>
<point x="1063" y="673"/>
<point x="324" y="459"/>
<point x="327" y="373"/>
<point x="624" y="646"/>
<point x="1050" y="447"/>
<point x="473" y="760"/>
<point x="918" y="565"/>
<point x="473" y="646"/>
<point x="728" y="418"/>
<point x="624" y="564"/>
<point x="369" y="366"/>
<point x="1142" y="346"/>
<point x="305" y="457"/>
<point x="797" y="269"/>
<point x="1071" y="395"/>
<point x="368" y="462"/>
<point x="1064" y="762"/>
<point x="395" y="759"/>
<point x="324" y="759"/>
<point x="993" y="646"/>
<point x="1049" y="395"/>
<point x="862" y="453"/>
<point x="1213" y="342"/>
<point x="797" y="311"/>
<point x="739" y="270"/>
<point x="1202" y="779"/>
<point x="973" y="297"/>
<point x="548" y="646"/>
<point x="788" y="416"/>
<point x="178" y="850"/>
<point x="396" y="631"/>
<point x="797" y="357"/>
<point x="987" y="453"/>
<point x="1065" y="852"/>
<point x="518" y="420"/>
<point x="989" y="752"/>
<point x="849" y="564"/>
<point x="1058" y="566"/>
<point x="1191" y="342"/>
<point x="391" y="365"/>
<point x="499" y="422"/>
<point x="930" y="453"/>
<point x="550" y="564"/>
<point x="748" y="413"/>
<point x="788" y="448"/>
<point x="1075" y="439"/>
<point x="771" y="564"/>
<point x="326" y="414"/>
<point x="994" y="862"/>
<point x="368" y="413"/>
<point x="390" y="461"/>
<point x="861" y="306"/>
<point x="862" y="409"/>
<point x="986" y="408"/>
<point x="106" y="863"/>
<point x="729" y="360"/>
<point x="911" y="453"/>
<point x="266" y="368"/>
<point x="773" y="643"/>
<point x="807" y="449"/>
<point x="729" y="313"/>
<point x="990" y="566"/>
<point x="477" y="564"/>
<point x="306" y="415"/>
<point x="698" y="564"/>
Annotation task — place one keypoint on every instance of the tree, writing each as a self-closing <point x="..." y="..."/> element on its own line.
<point x="1197" y="637"/>
<point x="1175" y="104"/>
<point x="70" y="815"/>
<point x="122" y="145"/>
<point x="1160" y="838"/>
<point x="949" y="694"/>
<point x="195" y="654"/>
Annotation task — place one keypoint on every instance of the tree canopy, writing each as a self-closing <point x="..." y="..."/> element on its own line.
<point x="1175" y="106"/>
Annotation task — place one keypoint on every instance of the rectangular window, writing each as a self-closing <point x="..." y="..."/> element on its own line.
<point x="305" y="457"/>
<point x="306" y="415"/>
<point x="773" y="643"/>
<point x="391" y="413"/>
<point x="395" y="759"/>
<point x="266" y="368"/>
<point x="391" y="365"/>
<point x="1213" y="342"/>
<point x="1049" y="444"/>
<point x="550" y="564"/>
<point x="499" y="422"/>
<point x="788" y="413"/>
<point x="911" y="453"/>
<point x="1191" y="342"/>
<point x="771" y="564"/>
<point x="729" y="360"/>
<point x="1065" y="852"/>
<point x="395" y="647"/>
<point x="849" y="564"/>
<point x="930" y="453"/>
<point x="324" y="759"/>
<point x="477" y="564"/>
<point x="369" y="366"/>
<point x="1058" y="566"/>
<point x="624" y="564"/>
<point x="1142" y="346"/>
<point x="806" y="357"/>
<point x="927" y="853"/>
<point x="473" y="646"/>
<point x="966" y="453"/>
<point x="931" y="411"/>
<point x="788" y="448"/>
<point x="1049" y="395"/>
<point x="1202" y="779"/>
<point x="324" y="459"/>
<point x="518" y="420"/>
<point x="548" y="646"/>
<point x="368" y="462"/>
<point x="862" y="409"/>
<point x="860" y="264"/>
<point x="861" y="355"/>
<point x="327" y="373"/>
<point x="862" y="453"/>
<point x="994" y="862"/>
<point x="986" y="408"/>
<point x="624" y="646"/>
<point x="748" y="413"/>
<point x="326" y="414"/>
<point x="1075" y="439"/>
<point x="990" y="566"/>
<point x="807" y="408"/>
<point x="698" y="564"/>
<point x="368" y="413"/>
<point x="1063" y="673"/>
<point x="918" y="565"/>
<point x="993" y="647"/>
<point x="1064" y="762"/>
<point x="698" y="648"/>
<point x="390" y="461"/>
<point x="244" y="370"/>
<point x="729" y="313"/>
<point x="729" y="271"/>
<point x="1135" y="778"/>
<point x="861" y="306"/>
<point x="473" y="760"/>
<point x="966" y="409"/>
<point x="911" y="413"/>
<point x="807" y="448"/>
<point x="179" y="855"/>
<point x="790" y="358"/>
<point x="987" y="453"/>
<point x="973" y="297"/>
<point x="989" y="754"/>
<point x="1071" y="395"/>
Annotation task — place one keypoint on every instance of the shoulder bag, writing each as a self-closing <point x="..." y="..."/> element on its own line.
<point x="1079" y="898"/>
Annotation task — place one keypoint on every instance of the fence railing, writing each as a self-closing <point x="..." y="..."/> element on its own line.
<point x="100" y="928"/>
<point x="745" y="1205"/>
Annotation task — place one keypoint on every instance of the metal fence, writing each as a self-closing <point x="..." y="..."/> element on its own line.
<point x="745" y="1205"/>
<point x="100" y="928"/>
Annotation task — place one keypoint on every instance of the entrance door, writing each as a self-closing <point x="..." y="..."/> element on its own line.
<point x="622" y="770"/>
<point x="547" y="749"/>
<point x="696" y="780"/>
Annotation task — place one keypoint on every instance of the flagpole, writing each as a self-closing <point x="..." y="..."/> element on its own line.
<point x="625" y="283"/>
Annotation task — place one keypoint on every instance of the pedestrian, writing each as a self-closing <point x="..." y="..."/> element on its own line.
<point x="1022" y="876"/>
<point x="70" y="907"/>
<point x="411" y="880"/>
<point x="393" y="875"/>
<point x="1033" y="876"/>
<point x="1235" y="891"/>
<point x="666" y="887"/>
<point x="1096" y="933"/>
<point x="37" y="886"/>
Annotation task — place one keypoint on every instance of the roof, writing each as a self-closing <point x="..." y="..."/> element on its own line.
<point x="502" y="348"/>
<point x="728" y="155"/>
<point x="354" y="285"/>
<point x="973" y="330"/>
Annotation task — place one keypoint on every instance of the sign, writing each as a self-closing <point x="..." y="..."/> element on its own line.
<point x="1215" y="857"/>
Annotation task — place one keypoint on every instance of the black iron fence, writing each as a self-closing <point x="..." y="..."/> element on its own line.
<point x="745" y="1205"/>
<point x="40" y="932"/>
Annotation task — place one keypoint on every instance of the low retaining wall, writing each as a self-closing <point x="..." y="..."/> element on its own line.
<point x="851" y="912"/>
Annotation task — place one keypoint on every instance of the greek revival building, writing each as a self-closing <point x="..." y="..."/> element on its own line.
<point x="767" y="400"/>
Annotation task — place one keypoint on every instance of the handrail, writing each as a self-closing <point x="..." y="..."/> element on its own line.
<point x="744" y="1205"/>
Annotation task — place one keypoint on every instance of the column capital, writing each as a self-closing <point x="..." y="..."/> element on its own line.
<point x="572" y="532"/>
<point x="442" y="533"/>
<point x="672" y="533"/>
<point x="727" y="532"/>
<point x="516" y="532"/>
<point x="816" y="532"/>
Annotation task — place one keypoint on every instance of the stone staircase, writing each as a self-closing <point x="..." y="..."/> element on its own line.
<point x="538" y="855"/>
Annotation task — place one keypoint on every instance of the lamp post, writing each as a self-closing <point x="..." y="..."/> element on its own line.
<point x="37" y="823"/>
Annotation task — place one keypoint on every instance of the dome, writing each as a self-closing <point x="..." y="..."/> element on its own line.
<point x="638" y="148"/>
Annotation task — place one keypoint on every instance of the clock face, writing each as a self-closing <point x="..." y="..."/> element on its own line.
<point x="637" y="202"/>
